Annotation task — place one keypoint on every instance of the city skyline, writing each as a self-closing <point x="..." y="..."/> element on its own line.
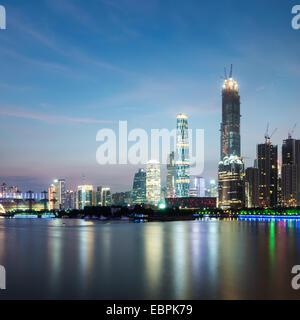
<point x="70" y="88"/>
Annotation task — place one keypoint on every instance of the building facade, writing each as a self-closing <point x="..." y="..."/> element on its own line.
<point x="251" y="188"/>
<point x="197" y="186"/>
<point x="171" y="175"/>
<point x="182" y="157"/>
<point x="231" y="183"/>
<point x="84" y="196"/>
<point x="231" y="117"/>
<point x="60" y="193"/>
<point x="290" y="173"/>
<point x="139" y="187"/>
<point x="153" y="182"/>
<point x="231" y="166"/>
<point x="267" y="159"/>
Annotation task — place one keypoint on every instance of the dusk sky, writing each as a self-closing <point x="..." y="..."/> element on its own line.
<point x="70" y="68"/>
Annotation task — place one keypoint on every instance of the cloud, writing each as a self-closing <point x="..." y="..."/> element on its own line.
<point x="49" y="118"/>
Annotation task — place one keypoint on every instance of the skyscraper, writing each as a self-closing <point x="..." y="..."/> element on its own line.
<point x="231" y="166"/>
<point x="251" y="188"/>
<point x="60" y="193"/>
<point x="230" y="126"/>
<point x="182" y="157"/>
<point x="171" y="176"/>
<point x="84" y="196"/>
<point x="290" y="174"/>
<point x="51" y="197"/>
<point x="267" y="156"/>
<point x="139" y="187"/>
<point x="153" y="182"/>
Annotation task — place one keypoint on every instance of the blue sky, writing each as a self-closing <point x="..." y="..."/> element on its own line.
<point x="69" y="68"/>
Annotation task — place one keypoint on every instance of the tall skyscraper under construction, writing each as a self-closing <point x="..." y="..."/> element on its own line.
<point x="230" y="126"/>
<point x="231" y="166"/>
<point x="182" y="157"/>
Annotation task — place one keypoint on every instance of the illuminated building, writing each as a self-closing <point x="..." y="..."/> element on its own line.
<point x="106" y="197"/>
<point x="139" y="187"/>
<point x="230" y="126"/>
<point x="268" y="174"/>
<point x="191" y="203"/>
<point x="197" y="186"/>
<point x="290" y="174"/>
<point x="251" y="188"/>
<point x="60" y="193"/>
<point x="153" y="182"/>
<point x="171" y="175"/>
<point x="102" y="197"/>
<point x="84" y="196"/>
<point x="231" y="184"/>
<point x="70" y="202"/>
<point x="182" y="157"/>
<point x="212" y="189"/>
<point x="231" y="166"/>
<point x="51" y="197"/>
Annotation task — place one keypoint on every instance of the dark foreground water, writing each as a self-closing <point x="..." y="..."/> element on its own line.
<point x="208" y="259"/>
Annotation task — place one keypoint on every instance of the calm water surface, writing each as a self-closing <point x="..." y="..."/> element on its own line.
<point x="207" y="259"/>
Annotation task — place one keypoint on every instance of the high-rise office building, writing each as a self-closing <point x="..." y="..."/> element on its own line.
<point x="60" y="193"/>
<point x="267" y="158"/>
<point x="139" y="187"/>
<point x="153" y="182"/>
<point x="290" y="172"/>
<point x="251" y="188"/>
<point x="197" y="186"/>
<point x="231" y="166"/>
<point x="171" y="176"/>
<point x="84" y="196"/>
<point x="182" y="157"/>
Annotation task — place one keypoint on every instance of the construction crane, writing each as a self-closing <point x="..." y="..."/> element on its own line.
<point x="291" y="132"/>
<point x="267" y="136"/>
<point x="225" y="77"/>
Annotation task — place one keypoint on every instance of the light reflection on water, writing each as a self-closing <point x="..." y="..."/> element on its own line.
<point x="204" y="259"/>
